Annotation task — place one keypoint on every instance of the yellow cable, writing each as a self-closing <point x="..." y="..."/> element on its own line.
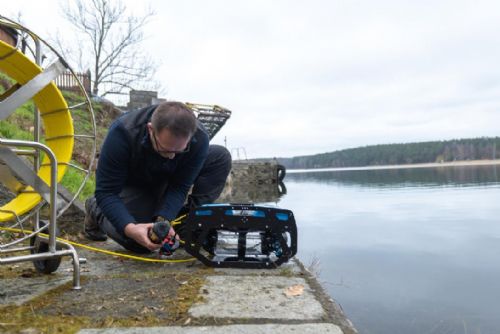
<point x="100" y="250"/>
<point x="178" y="220"/>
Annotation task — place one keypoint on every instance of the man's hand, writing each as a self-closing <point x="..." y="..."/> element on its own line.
<point x="139" y="232"/>
<point x="163" y="234"/>
<point x="170" y="242"/>
<point x="172" y="234"/>
<point x="171" y="231"/>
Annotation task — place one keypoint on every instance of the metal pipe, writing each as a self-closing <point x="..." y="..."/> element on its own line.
<point x="68" y="164"/>
<point x="19" y="240"/>
<point x="53" y="184"/>
<point x="47" y="255"/>
<point x="36" y="126"/>
<point x="14" y="250"/>
<point x="76" y="268"/>
<point x="25" y="152"/>
<point x="34" y="257"/>
<point x="76" y="261"/>
<point x="53" y="163"/>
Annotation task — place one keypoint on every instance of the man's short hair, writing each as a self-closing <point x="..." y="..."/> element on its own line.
<point x="176" y="117"/>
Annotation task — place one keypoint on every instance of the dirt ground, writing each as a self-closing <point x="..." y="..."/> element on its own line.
<point x="119" y="297"/>
<point x="116" y="292"/>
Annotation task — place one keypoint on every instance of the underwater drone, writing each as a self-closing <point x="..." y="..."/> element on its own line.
<point x="240" y="235"/>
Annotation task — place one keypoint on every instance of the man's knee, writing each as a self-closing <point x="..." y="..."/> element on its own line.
<point x="212" y="178"/>
<point x="220" y="157"/>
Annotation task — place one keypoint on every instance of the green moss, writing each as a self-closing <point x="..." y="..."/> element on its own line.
<point x="187" y="295"/>
<point x="13" y="319"/>
<point x="286" y="272"/>
<point x="31" y="315"/>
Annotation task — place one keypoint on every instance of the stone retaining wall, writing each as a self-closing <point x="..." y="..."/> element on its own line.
<point x="253" y="182"/>
<point x="248" y="172"/>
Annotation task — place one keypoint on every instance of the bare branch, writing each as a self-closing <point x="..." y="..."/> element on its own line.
<point x="109" y="39"/>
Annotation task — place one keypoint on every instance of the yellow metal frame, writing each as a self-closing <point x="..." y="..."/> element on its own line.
<point x="58" y="126"/>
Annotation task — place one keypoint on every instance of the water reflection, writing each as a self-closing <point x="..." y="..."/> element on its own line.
<point x="460" y="175"/>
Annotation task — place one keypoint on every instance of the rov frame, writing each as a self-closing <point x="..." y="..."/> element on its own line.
<point x="273" y="231"/>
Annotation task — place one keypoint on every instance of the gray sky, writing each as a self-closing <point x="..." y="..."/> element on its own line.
<point x="305" y="77"/>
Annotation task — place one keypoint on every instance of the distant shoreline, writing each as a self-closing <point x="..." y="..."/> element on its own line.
<point x="422" y="165"/>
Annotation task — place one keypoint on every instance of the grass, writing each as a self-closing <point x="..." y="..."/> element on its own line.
<point x="72" y="180"/>
<point x="18" y="125"/>
<point x="11" y="130"/>
<point x="314" y="267"/>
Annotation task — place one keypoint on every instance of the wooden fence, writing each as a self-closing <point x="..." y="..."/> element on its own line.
<point x="67" y="81"/>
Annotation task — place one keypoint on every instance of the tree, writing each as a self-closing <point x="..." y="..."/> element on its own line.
<point x="108" y="41"/>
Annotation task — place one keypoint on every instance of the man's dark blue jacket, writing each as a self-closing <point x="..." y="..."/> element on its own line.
<point x="128" y="158"/>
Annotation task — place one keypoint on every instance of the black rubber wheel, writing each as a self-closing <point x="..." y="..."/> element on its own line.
<point x="47" y="266"/>
<point x="281" y="189"/>
<point x="281" y="170"/>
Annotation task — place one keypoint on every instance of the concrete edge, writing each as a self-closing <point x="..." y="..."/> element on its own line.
<point x="334" y="311"/>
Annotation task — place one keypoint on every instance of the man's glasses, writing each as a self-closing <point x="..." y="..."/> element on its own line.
<point x="160" y="149"/>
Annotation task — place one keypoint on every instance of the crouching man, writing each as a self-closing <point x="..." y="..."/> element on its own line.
<point x="148" y="162"/>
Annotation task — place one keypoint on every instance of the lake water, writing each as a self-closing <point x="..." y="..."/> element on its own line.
<point x="404" y="250"/>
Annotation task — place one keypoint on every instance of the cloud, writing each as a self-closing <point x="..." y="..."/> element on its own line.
<point x="310" y="77"/>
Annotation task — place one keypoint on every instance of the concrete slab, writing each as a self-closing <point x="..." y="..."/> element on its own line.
<point x="289" y="268"/>
<point x="16" y="291"/>
<point x="317" y="328"/>
<point x="256" y="297"/>
<point x="99" y="264"/>
<point x="117" y="298"/>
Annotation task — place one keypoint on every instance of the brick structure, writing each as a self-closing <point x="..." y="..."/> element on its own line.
<point x="142" y="98"/>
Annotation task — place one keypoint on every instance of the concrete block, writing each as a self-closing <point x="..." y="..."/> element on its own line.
<point x="17" y="291"/>
<point x="289" y="268"/>
<point x="256" y="297"/>
<point x="317" y="328"/>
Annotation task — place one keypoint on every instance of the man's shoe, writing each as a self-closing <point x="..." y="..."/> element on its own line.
<point x="95" y="235"/>
<point x="91" y="228"/>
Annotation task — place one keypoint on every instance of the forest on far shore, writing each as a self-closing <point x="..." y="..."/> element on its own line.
<point x="485" y="148"/>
